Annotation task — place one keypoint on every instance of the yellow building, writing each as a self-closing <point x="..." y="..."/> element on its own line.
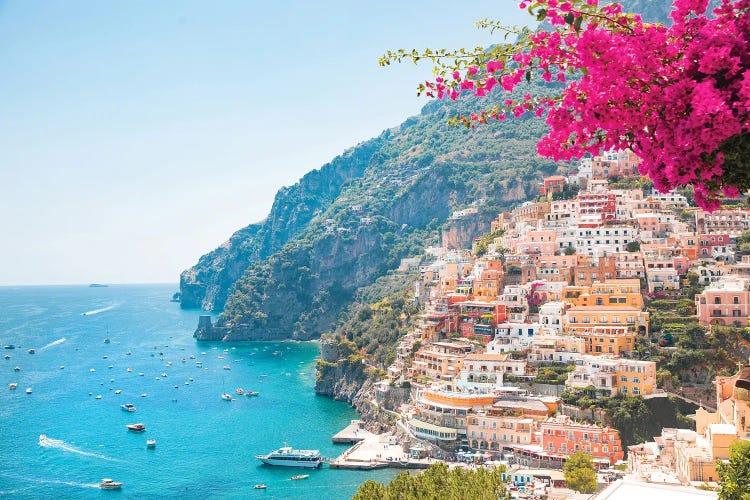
<point x="614" y="375"/>
<point x="604" y="337"/>
<point x="612" y="293"/>
<point x="608" y="315"/>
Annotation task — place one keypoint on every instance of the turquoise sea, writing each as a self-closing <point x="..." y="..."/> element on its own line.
<point x="205" y="446"/>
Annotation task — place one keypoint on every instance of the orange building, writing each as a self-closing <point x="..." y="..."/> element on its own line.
<point x="562" y="436"/>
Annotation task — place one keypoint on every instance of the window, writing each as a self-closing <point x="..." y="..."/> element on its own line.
<point x="636" y="380"/>
<point x="636" y="390"/>
<point x="736" y="300"/>
<point x="623" y="379"/>
<point x="717" y="300"/>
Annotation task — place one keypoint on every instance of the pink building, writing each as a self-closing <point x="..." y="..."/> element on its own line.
<point x="726" y="302"/>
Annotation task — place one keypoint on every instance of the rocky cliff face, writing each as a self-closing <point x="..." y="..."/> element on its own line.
<point x="342" y="227"/>
<point x="207" y="284"/>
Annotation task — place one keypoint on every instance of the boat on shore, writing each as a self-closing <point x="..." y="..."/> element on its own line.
<point x="110" y="484"/>
<point x="288" y="457"/>
<point x="136" y="427"/>
<point x="299" y="476"/>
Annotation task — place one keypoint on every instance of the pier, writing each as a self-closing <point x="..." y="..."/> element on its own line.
<point x="378" y="452"/>
<point x="352" y="433"/>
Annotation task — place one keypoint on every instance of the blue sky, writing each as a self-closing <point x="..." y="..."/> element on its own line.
<point x="136" y="136"/>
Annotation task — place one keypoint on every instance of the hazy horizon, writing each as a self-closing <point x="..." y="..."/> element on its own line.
<point x="138" y="136"/>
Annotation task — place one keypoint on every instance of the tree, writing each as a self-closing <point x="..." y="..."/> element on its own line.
<point x="633" y="246"/>
<point x="438" y="482"/>
<point x="569" y="250"/>
<point x="734" y="474"/>
<point x="579" y="472"/>
<point x="680" y="98"/>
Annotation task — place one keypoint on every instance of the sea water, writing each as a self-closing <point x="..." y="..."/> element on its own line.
<point x="205" y="447"/>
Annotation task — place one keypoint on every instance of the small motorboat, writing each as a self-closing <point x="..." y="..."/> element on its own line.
<point x="118" y="391"/>
<point x="109" y="484"/>
<point x="98" y="396"/>
<point x="239" y="391"/>
<point x="9" y="346"/>
<point x="144" y="395"/>
<point x="227" y="367"/>
<point x="7" y="356"/>
<point x="128" y="407"/>
<point x="260" y="486"/>
<point x="151" y="444"/>
<point x="42" y="439"/>
<point x="299" y="476"/>
<point x="12" y="386"/>
<point x="28" y="390"/>
<point x="226" y="397"/>
<point x="31" y="351"/>
<point x="252" y="393"/>
<point x="17" y="369"/>
<point x="107" y="341"/>
<point x="136" y="427"/>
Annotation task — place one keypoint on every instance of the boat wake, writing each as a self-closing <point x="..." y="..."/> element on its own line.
<point x="48" y="442"/>
<point x="97" y="311"/>
<point x="56" y="342"/>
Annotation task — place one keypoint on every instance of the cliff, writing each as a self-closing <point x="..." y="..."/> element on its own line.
<point x="207" y="284"/>
<point x="344" y="226"/>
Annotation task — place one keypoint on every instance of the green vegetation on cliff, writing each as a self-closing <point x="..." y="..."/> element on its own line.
<point x="298" y="274"/>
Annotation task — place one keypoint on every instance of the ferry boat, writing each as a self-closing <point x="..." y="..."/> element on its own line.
<point x="288" y="457"/>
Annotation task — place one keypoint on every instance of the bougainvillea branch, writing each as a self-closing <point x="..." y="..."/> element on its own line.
<point x="678" y="96"/>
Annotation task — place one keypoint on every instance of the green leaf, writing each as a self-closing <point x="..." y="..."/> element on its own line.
<point x="577" y="24"/>
<point x="541" y="15"/>
<point x="569" y="18"/>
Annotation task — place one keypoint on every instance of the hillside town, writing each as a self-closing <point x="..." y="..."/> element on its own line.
<point x="554" y="302"/>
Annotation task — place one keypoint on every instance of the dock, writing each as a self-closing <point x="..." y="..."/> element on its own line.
<point x="352" y="433"/>
<point x="378" y="452"/>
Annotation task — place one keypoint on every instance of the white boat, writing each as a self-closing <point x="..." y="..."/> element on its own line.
<point x="136" y="427"/>
<point x="288" y="457"/>
<point x="151" y="444"/>
<point x="28" y="390"/>
<point x="299" y="476"/>
<point x="12" y="386"/>
<point x="128" y="407"/>
<point x="109" y="484"/>
<point x="226" y="397"/>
